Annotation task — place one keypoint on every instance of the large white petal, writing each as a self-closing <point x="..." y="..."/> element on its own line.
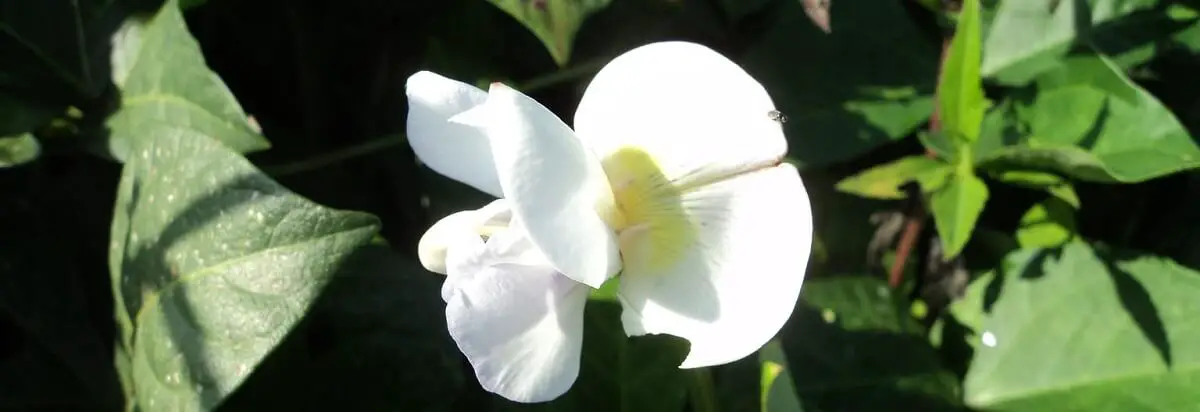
<point x="696" y="113"/>
<point x="554" y="185"/>
<point x="737" y="282"/>
<point x="458" y="151"/>
<point x="519" y="323"/>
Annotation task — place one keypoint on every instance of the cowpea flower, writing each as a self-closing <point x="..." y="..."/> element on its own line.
<point x="671" y="180"/>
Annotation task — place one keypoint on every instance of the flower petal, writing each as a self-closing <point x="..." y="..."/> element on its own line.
<point x="699" y="115"/>
<point x="460" y="228"/>
<point x="737" y="282"/>
<point x="519" y="323"/>
<point x="455" y="150"/>
<point x="555" y="186"/>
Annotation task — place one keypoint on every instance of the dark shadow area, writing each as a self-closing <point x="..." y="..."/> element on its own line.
<point x="847" y="91"/>
<point x="56" y="330"/>
<point x="375" y="340"/>
<point x="841" y="367"/>
<point x="1138" y="304"/>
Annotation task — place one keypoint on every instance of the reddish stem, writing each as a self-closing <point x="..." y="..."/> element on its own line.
<point x="915" y="215"/>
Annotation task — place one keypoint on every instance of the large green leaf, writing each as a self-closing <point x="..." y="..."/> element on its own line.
<point x="166" y="89"/>
<point x="960" y="91"/>
<point x="956" y="208"/>
<point x="554" y="22"/>
<point x="1027" y="38"/>
<point x="620" y="373"/>
<point x="1090" y="122"/>
<point x="1072" y="329"/>
<point x="838" y="100"/>
<point x="212" y="264"/>
<point x="852" y="346"/>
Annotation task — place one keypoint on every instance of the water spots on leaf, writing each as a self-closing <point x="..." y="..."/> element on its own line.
<point x="777" y="116"/>
<point x="988" y="339"/>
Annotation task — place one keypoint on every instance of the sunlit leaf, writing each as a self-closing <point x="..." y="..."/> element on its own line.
<point x="554" y="22"/>
<point x="1074" y="329"/>
<point x="1050" y="223"/>
<point x="167" y="89"/>
<point x="884" y="181"/>
<point x="956" y="208"/>
<point x="1090" y="122"/>
<point x="17" y="150"/>
<point x="960" y="91"/>
<point x="213" y="263"/>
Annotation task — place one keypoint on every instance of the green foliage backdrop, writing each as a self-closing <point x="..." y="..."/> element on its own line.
<point x="211" y="205"/>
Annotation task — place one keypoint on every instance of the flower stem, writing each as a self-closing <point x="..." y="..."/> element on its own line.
<point x="700" y="391"/>
<point x="561" y="76"/>
<point x="363" y="149"/>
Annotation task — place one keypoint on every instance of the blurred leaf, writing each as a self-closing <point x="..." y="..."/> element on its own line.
<point x="620" y="373"/>
<point x="852" y="346"/>
<point x="1053" y="184"/>
<point x="884" y="181"/>
<point x="1070" y="329"/>
<point x="1090" y="122"/>
<point x="1027" y="38"/>
<point x="18" y="150"/>
<point x="554" y="22"/>
<point x="838" y="102"/>
<point x="956" y="208"/>
<point x="166" y="89"/>
<point x="1050" y="223"/>
<point x="375" y="340"/>
<point x="56" y="50"/>
<point x="18" y="117"/>
<point x="960" y="91"/>
<point x="778" y="392"/>
<point x="213" y="263"/>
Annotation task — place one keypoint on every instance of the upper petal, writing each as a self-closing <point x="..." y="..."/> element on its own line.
<point x="519" y="323"/>
<point x="737" y="281"/>
<point x="455" y="150"/>
<point x="554" y="184"/>
<point x="698" y="114"/>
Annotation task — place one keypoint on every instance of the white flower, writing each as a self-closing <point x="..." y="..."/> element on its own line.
<point x="672" y="178"/>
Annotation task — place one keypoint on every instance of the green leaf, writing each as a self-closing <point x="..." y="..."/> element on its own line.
<point x="1088" y="121"/>
<point x="956" y="208"/>
<point x="1028" y="38"/>
<point x="838" y="101"/>
<point x="167" y="89"/>
<point x="1073" y="329"/>
<point x="852" y="346"/>
<point x="18" y="150"/>
<point x="554" y="22"/>
<point x="884" y="181"/>
<point x="778" y="393"/>
<point x="212" y="264"/>
<point x="1053" y="184"/>
<point x="1050" y="223"/>
<point x="620" y="373"/>
<point x="961" y="90"/>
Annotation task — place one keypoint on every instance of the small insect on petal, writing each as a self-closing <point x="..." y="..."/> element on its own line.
<point x="777" y="116"/>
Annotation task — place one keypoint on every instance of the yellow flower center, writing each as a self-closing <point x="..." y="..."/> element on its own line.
<point x="654" y="229"/>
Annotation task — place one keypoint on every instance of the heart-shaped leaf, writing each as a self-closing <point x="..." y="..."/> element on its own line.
<point x="212" y="264"/>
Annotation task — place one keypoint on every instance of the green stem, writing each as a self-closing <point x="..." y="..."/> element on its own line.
<point x="562" y="76"/>
<point x="700" y="391"/>
<point x="366" y="148"/>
